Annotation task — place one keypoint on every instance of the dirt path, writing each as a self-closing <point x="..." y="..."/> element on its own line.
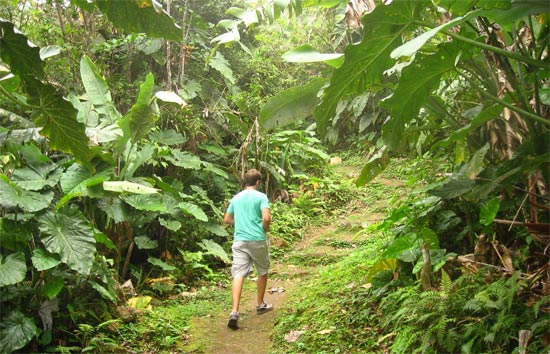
<point x="210" y="335"/>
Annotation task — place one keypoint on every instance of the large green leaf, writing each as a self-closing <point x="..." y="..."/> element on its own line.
<point x="227" y="37"/>
<point x="36" y="177"/>
<point x="366" y="62"/>
<point x="12" y="196"/>
<point x="57" y="117"/>
<point x="97" y="89"/>
<point x="492" y="112"/>
<point x="307" y="54"/>
<point x="142" y="117"/>
<point x="216" y="229"/>
<point x="42" y="260"/>
<point x="507" y="17"/>
<point x="104" y="292"/>
<point x="17" y="51"/>
<point x="453" y="187"/>
<point x="321" y="3"/>
<point x="76" y="182"/>
<point x="128" y="187"/>
<point x="141" y="16"/>
<point x="376" y="165"/>
<point x="167" y="137"/>
<point x="151" y="202"/>
<point x="82" y="189"/>
<point x="194" y="210"/>
<point x="476" y="164"/>
<point x="417" y="81"/>
<point x="172" y="225"/>
<point x="504" y="12"/>
<point x="114" y="208"/>
<point x="53" y="286"/>
<point x="382" y="264"/>
<point x="482" y="190"/>
<point x="69" y="234"/>
<point x="489" y="211"/>
<point x="145" y="243"/>
<point x="13" y="269"/>
<point x="32" y="155"/>
<point x="16" y="331"/>
<point x="291" y="105"/>
<point x="183" y="159"/>
<point x="137" y="158"/>
<point x="248" y="17"/>
<point x="159" y="263"/>
<point x="100" y="237"/>
<point x="221" y="64"/>
<point x="210" y="168"/>
<point x="406" y="248"/>
<point x="170" y="97"/>
<point x="412" y="46"/>
<point x="456" y="7"/>
<point x="214" y="249"/>
<point x="94" y="83"/>
<point x="50" y="51"/>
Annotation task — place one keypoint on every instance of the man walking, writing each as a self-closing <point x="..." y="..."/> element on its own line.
<point x="249" y="212"/>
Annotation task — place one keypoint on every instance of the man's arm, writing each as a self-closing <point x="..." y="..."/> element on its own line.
<point x="228" y="219"/>
<point x="266" y="219"/>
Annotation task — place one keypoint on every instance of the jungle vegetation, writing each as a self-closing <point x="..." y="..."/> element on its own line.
<point x="125" y="125"/>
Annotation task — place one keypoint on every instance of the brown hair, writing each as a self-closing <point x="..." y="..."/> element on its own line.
<point x="251" y="177"/>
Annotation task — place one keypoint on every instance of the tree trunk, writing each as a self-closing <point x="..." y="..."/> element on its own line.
<point x="426" y="271"/>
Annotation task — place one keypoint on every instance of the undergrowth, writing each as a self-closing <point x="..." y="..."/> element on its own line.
<point x="371" y="300"/>
<point x="331" y="312"/>
<point x="467" y="315"/>
<point x="164" y="328"/>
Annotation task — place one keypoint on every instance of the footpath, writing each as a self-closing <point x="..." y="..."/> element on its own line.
<point x="210" y="335"/>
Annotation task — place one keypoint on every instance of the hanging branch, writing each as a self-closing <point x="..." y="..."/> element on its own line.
<point x="241" y="162"/>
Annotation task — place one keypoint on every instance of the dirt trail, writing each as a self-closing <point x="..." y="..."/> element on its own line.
<point x="210" y="335"/>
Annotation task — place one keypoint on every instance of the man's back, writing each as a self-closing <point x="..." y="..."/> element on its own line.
<point x="246" y="208"/>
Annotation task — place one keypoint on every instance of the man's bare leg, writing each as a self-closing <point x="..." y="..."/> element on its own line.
<point x="262" y="284"/>
<point x="236" y="292"/>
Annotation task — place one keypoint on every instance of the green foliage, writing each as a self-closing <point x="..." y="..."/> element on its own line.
<point x="166" y="326"/>
<point x="290" y="106"/>
<point x="331" y="301"/>
<point x="289" y="223"/>
<point x="68" y="234"/>
<point x="464" y="315"/>
<point x="365" y="63"/>
<point x="124" y="187"/>
<point x="140" y="16"/>
<point x="16" y="330"/>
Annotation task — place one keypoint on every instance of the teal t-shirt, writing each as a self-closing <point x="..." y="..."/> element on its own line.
<point x="246" y="208"/>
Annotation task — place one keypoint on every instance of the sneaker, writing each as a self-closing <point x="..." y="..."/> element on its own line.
<point x="233" y="319"/>
<point x="263" y="308"/>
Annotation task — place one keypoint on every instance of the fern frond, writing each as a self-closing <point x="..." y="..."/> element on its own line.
<point x="450" y="340"/>
<point x="446" y="283"/>
<point x="403" y="341"/>
<point x="543" y="301"/>
<point x="472" y="305"/>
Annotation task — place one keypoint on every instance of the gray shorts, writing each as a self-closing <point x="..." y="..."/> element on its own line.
<point x="249" y="253"/>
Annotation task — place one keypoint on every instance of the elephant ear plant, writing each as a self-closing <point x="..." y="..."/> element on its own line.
<point x="76" y="192"/>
